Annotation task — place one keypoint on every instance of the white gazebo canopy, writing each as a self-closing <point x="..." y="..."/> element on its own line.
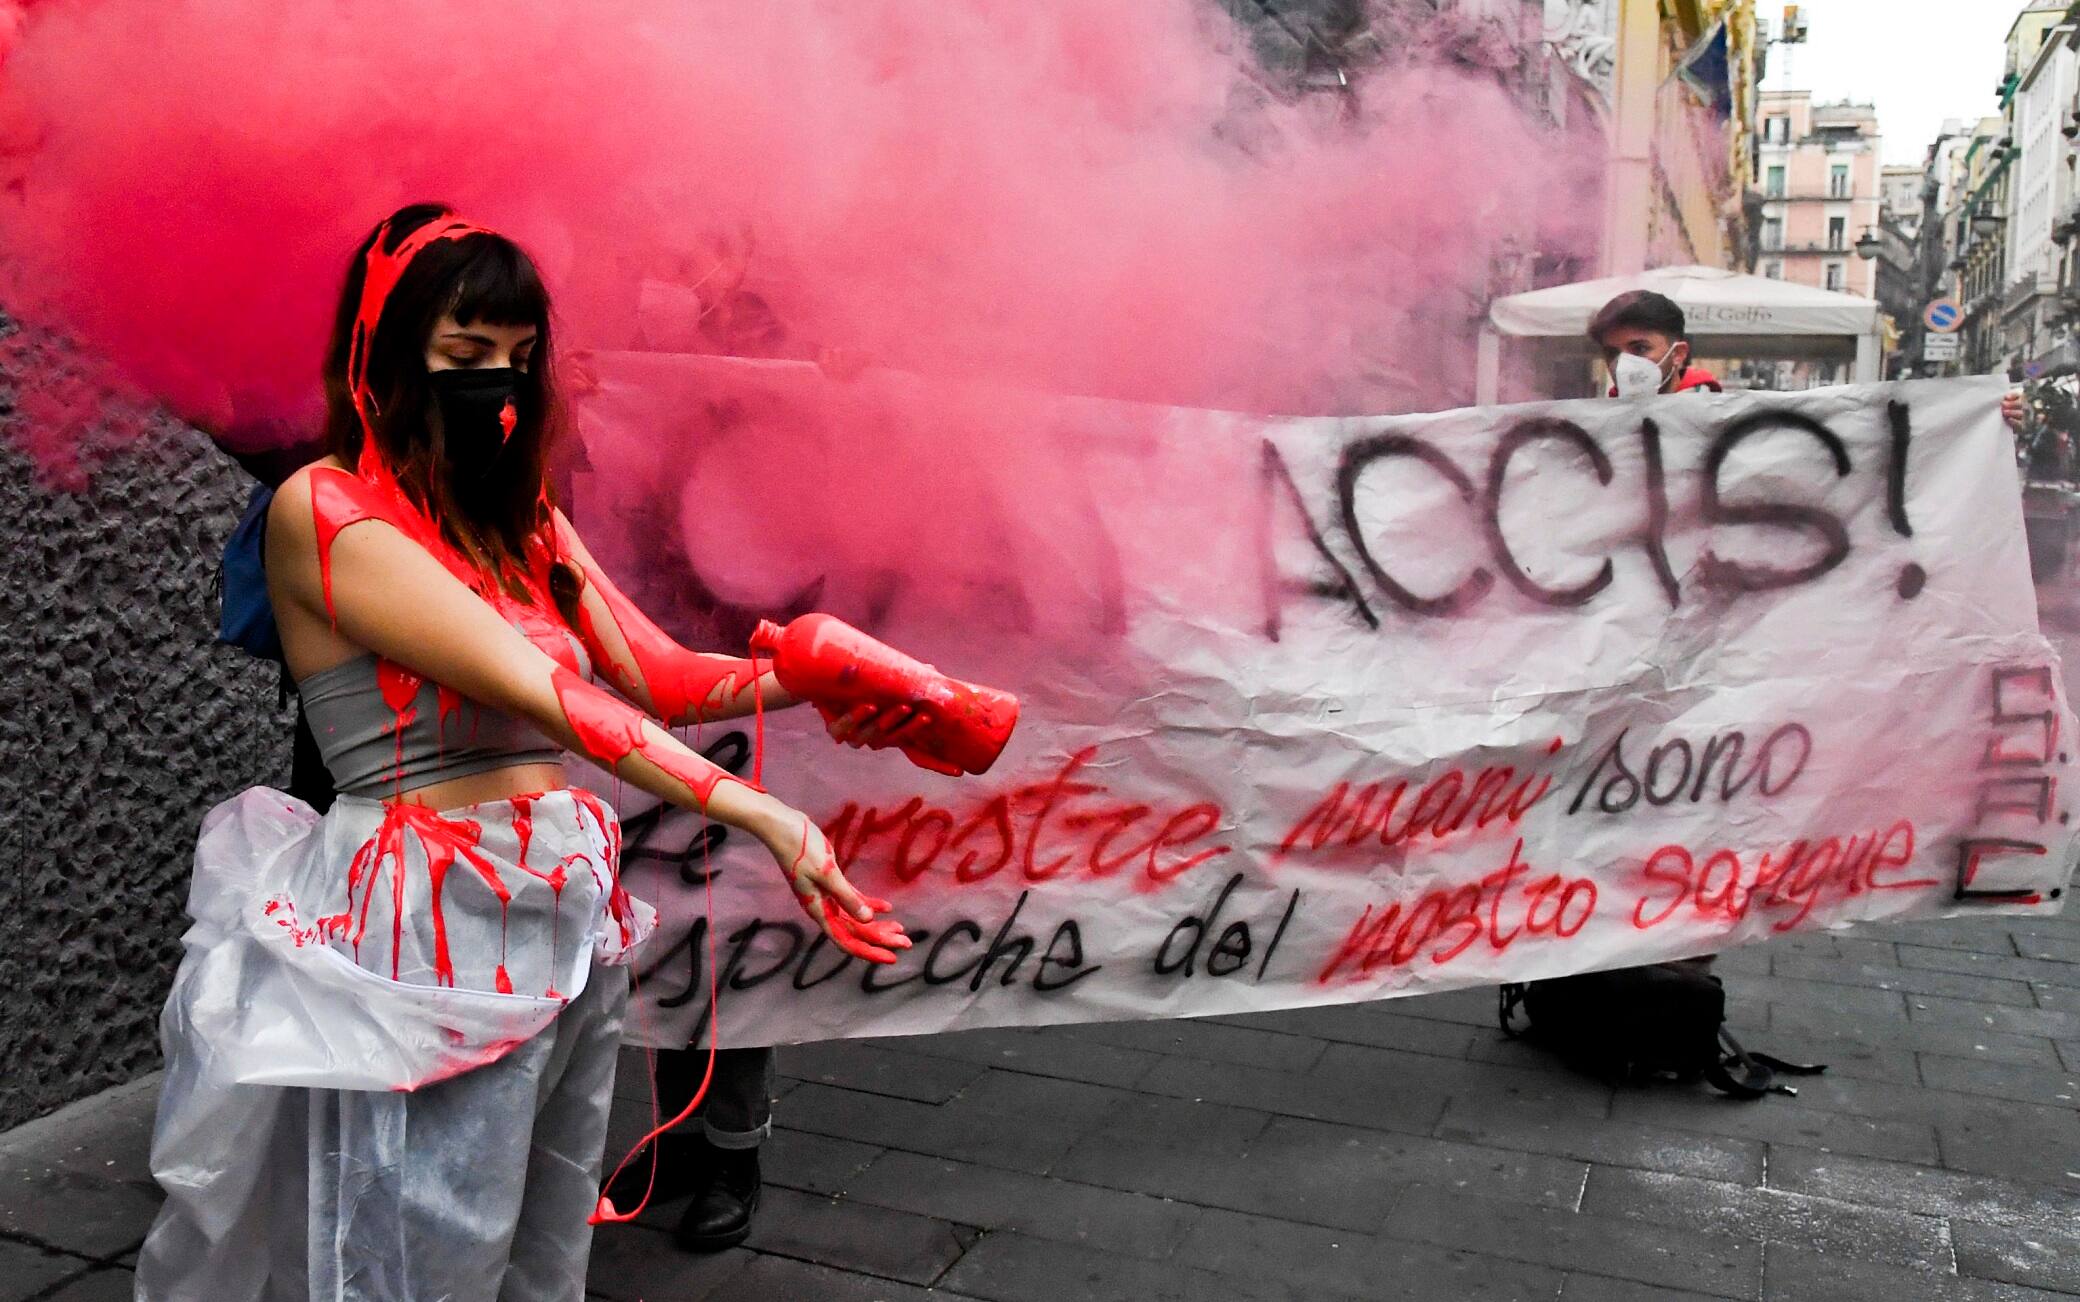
<point x="1730" y="315"/>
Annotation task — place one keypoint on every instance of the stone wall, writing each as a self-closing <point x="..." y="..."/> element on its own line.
<point x="123" y="724"/>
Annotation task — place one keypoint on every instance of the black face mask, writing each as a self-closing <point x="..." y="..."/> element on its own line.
<point x="480" y="409"/>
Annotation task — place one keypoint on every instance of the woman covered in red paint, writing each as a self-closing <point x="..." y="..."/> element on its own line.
<point x="391" y="1043"/>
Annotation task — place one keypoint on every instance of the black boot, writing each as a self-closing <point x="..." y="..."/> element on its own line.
<point x="721" y="1216"/>
<point x="685" y="1165"/>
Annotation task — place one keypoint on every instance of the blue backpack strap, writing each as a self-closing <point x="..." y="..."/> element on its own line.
<point x="246" y="619"/>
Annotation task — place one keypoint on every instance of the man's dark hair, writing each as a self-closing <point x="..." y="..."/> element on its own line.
<point x="1640" y="309"/>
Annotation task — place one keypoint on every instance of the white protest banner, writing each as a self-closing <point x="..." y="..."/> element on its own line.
<point x="1329" y="710"/>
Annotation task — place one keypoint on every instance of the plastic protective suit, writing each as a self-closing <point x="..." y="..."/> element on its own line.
<point x="390" y="1052"/>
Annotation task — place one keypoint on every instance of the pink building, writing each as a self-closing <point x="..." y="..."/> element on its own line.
<point x="1822" y="185"/>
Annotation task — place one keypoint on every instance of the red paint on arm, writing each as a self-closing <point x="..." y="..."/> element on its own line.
<point x="610" y="730"/>
<point x="682" y="685"/>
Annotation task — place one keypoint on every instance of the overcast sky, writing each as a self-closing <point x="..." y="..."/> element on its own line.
<point x="1919" y="61"/>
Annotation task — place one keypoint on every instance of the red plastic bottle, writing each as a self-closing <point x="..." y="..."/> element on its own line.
<point x="831" y="664"/>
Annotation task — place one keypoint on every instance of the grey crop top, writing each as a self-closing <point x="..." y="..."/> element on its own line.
<point x="358" y="733"/>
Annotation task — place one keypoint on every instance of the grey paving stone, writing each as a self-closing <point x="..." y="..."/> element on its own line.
<point x="1470" y="1007"/>
<point x="1077" y="1104"/>
<point x="1614" y="1143"/>
<point x="1362" y="1265"/>
<point x="815" y="1163"/>
<point x="1580" y="1287"/>
<point x="1545" y="1090"/>
<point x="1988" y="936"/>
<point x="2069" y="1054"/>
<point x="1900" y="1034"/>
<point x="1795" y="1275"/>
<point x="874" y="1068"/>
<point x="2016" y="1141"/>
<point x="2063" y="999"/>
<point x="2019" y="1256"/>
<point x="1859" y="948"/>
<point x="1322" y="1174"/>
<point x="2039" y="1085"/>
<point x="1211" y="1041"/>
<point x="1993" y="965"/>
<point x="1366" y="1024"/>
<point x="1382" y="1103"/>
<point x="1134" y="1224"/>
<point x="72" y="1210"/>
<point x="856" y="1236"/>
<point x="1149" y="1117"/>
<point x="26" y="1271"/>
<point x="1041" y="1053"/>
<point x="1667" y="1256"/>
<point x="1775" y="1120"/>
<point x="1033" y="1144"/>
<point x="768" y="1278"/>
<point x="1833" y="997"/>
<point x="2049" y="948"/>
<point x="1821" y="1225"/>
<point x="1989" y="1200"/>
<point x="1346" y="1185"/>
<point x="1012" y="1267"/>
<point x="1921" y="981"/>
<point x="1939" y="1011"/>
<point x="1841" y="1057"/>
<point x="1891" y="1101"/>
<point x="634" y="1263"/>
<point x="107" y="1285"/>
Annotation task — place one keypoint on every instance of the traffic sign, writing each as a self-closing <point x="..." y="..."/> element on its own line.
<point x="1941" y="348"/>
<point x="1943" y="316"/>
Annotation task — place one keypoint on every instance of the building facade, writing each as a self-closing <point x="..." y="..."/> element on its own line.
<point x="2032" y="309"/>
<point x="1983" y="217"/>
<point x="1821" y="172"/>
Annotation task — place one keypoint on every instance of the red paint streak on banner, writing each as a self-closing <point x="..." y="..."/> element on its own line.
<point x="1446" y="921"/>
<point x="1061" y="826"/>
<point x="1448" y="805"/>
<point x="1719" y="884"/>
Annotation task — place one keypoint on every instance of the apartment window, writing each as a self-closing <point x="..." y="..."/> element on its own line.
<point x="1836" y="275"/>
<point x="1837" y="232"/>
<point x="1776" y="183"/>
<point x="1772" y="232"/>
<point x="1773" y="270"/>
<point x="1838" y="181"/>
<point x="1776" y="130"/>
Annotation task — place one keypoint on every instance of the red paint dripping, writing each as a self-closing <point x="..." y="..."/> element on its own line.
<point x="610" y="730"/>
<point x="683" y="685"/>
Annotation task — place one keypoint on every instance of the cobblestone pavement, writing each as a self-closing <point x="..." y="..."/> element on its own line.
<point x="1382" y="1151"/>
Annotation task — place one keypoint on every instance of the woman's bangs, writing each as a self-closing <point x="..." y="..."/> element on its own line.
<point x="497" y="283"/>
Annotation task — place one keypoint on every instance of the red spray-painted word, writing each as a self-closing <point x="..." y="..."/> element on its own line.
<point x="1722" y="886"/>
<point x="1447" y="804"/>
<point x="1053" y="828"/>
<point x="1449" y="920"/>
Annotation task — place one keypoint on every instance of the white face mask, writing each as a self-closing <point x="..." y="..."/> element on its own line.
<point x="1639" y="377"/>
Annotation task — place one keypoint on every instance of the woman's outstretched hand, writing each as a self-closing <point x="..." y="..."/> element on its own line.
<point x="846" y="916"/>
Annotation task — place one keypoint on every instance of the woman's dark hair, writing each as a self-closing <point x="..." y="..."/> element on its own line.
<point x="492" y="515"/>
<point x="1640" y="309"/>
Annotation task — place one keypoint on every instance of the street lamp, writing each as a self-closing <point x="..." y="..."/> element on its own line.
<point x="1867" y="247"/>
<point x="1985" y="221"/>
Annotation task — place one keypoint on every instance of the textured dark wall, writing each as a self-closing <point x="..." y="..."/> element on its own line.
<point x="122" y="724"/>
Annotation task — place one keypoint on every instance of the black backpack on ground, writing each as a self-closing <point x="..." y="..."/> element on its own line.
<point x="1634" y="1023"/>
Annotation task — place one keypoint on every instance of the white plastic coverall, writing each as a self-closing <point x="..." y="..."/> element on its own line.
<point x="352" y="1109"/>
